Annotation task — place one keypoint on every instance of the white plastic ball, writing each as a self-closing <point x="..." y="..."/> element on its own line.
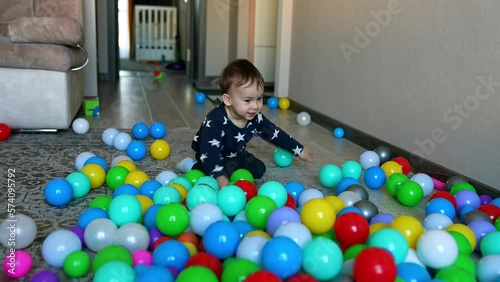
<point x="81" y="159"/>
<point x="349" y="198"/>
<point x="121" y="141"/>
<point x="437" y="221"/>
<point x="18" y="232"/>
<point x="425" y="181"/>
<point x="488" y="268"/>
<point x="412" y="257"/>
<point x="309" y="194"/>
<point x="437" y="249"/>
<point x="240" y="216"/>
<point x="108" y="135"/>
<point x="132" y="236"/>
<point x="165" y="176"/>
<point x="203" y="215"/>
<point x="80" y="126"/>
<point x="296" y="231"/>
<point x="303" y="118"/>
<point x="120" y="158"/>
<point x="250" y="248"/>
<point x="58" y="245"/>
<point x="99" y="234"/>
<point x="369" y="159"/>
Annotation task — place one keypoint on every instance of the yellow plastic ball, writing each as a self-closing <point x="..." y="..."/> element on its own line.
<point x="336" y="203"/>
<point x="136" y="178"/>
<point x="191" y="248"/>
<point x="377" y="226"/>
<point x="258" y="232"/>
<point x="284" y="103"/>
<point x="128" y="165"/>
<point x="160" y="149"/>
<point x="182" y="190"/>
<point x="96" y="174"/>
<point x="318" y="215"/>
<point x="145" y="202"/>
<point x="410" y="227"/>
<point x="466" y="231"/>
<point x="391" y="167"/>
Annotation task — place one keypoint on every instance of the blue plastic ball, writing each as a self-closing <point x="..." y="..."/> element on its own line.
<point x="171" y="253"/>
<point x="158" y="130"/>
<point x="200" y="97"/>
<point x="294" y="188"/>
<point x="440" y="205"/>
<point x="136" y="150"/>
<point x="282" y="256"/>
<point x="89" y="215"/>
<point x="149" y="187"/>
<point x="126" y="189"/>
<point x="272" y="102"/>
<point x="344" y="184"/>
<point x="154" y="273"/>
<point x="58" y="192"/>
<point x="149" y="218"/>
<point x="350" y="209"/>
<point x="98" y="161"/>
<point x="96" y="111"/>
<point x="374" y="177"/>
<point x="411" y="271"/>
<point x="140" y="130"/>
<point x="338" y="132"/>
<point x="243" y="227"/>
<point x="221" y="239"/>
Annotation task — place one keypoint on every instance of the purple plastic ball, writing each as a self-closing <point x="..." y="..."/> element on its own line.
<point x="45" y="276"/>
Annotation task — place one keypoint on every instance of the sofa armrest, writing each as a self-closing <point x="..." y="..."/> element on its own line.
<point x="57" y="30"/>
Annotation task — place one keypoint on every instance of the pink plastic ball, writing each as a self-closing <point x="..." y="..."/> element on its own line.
<point x="17" y="264"/>
<point x="142" y="257"/>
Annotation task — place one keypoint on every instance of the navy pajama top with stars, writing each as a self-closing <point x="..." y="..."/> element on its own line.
<point x="219" y="138"/>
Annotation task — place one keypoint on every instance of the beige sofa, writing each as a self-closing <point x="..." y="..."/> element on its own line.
<point x="41" y="57"/>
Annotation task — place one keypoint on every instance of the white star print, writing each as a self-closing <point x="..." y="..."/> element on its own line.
<point x="208" y="123"/>
<point x="249" y="124"/>
<point x="217" y="168"/>
<point x="203" y="157"/>
<point x="195" y="138"/>
<point x="275" y="134"/>
<point x="214" y="142"/>
<point x="254" y="132"/>
<point x="225" y="120"/>
<point x="232" y="155"/>
<point x="259" y="117"/>
<point x="239" y="137"/>
<point x="222" y="133"/>
<point x="297" y="151"/>
<point x="204" y="121"/>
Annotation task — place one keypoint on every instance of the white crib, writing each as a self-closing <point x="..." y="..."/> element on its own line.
<point x="155" y="32"/>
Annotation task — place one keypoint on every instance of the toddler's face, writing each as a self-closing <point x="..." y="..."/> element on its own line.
<point x="246" y="100"/>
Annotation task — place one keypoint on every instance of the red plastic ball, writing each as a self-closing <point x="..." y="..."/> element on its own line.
<point x="351" y="228"/>
<point x="290" y="202"/>
<point x="248" y="187"/>
<point x="404" y="163"/>
<point x="207" y="260"/>
<point x="493" y="211"/>
<point x="4" y="132"/>
<point x="262" y="275"/>
<point x="161" y="240"/>
<point x="446" y="195"/>
<point x="374" y="264"/>
<point x="302" y="277"/>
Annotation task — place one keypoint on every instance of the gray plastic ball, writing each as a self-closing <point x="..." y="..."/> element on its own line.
<point x="455" y="180"/>
<point x="475" y="216"/>
<point x="384" y="153"/>
<point x="368" y="208"/>
<point x="360" y="190"/>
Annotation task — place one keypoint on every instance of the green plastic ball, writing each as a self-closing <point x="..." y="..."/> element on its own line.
<point x="172" y="219"/>
<point x="467" y="263"/>
<point x="463" y="243"/>
<point x="238" y="270"/>
<point x="330" y="175"/>
<point x="197" y="273"/>
<point x="454" y="274"/>
<point x="462" y="186"/>
<point x="193" y="175"/>
<point x="76" y="264"/>
<point x="200" y="194"/>
<point x="241" y="174"/>
<point x="125" y="209"/>
<point x="231" y="200"/>
<point x="353" y="251"/>
<point x="258" y="210"/>
<point x="282" y="157"/>
<point x="352" y="169"/>
<point x="111" y="253"/>
<point x="274" y="190"/>
<point x="101" y="202"/>
<point x="116" y="176"/>
<point x="80" y="184"/>
<point x="394" y="182"/>
<point x="410" y="194"/>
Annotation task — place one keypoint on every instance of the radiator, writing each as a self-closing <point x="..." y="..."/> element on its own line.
<point x="155" y="32"/>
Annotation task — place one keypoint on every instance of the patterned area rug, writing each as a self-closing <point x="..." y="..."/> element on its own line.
<point x="33" y="159"/>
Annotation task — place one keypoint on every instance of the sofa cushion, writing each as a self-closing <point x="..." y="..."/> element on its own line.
<point x="40" y="56"/>
<point x="58" y="30"/>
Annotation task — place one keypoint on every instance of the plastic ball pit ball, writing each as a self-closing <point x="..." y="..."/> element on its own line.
<point x="24" y="231"/>
<point x="17" y="264"/>
<point x="58" y="192"/>
<point x="282" y="157"/>
<point x="338" y="132"/>
<point x="303" y="118"/>
<point x="4" y="132"/>
<point x="108" y="135"/>
<point x="272" y="102"/>
<point x="284" y="103"/>
<point x="200" y="97"/>
<point x="121" y="141"/>
<point x="96" y="174"/>
<point x="160" y="149"/>
<point x="80" y="126"/>
<point x="330" y="175"/>
<point x="158" y="130"/>
<point x="140" y="131"/>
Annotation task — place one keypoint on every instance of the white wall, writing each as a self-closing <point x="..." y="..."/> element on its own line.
<point x="90" y="71"/>
<point x="422" y="75"/>
<point x="217" y="36"/>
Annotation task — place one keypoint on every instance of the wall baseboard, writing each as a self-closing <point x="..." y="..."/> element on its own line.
<point x="418" y="164"/>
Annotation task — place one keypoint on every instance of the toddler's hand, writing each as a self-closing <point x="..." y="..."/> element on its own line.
<point x="306" y="154"/>
<point x="223" y="181"/>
